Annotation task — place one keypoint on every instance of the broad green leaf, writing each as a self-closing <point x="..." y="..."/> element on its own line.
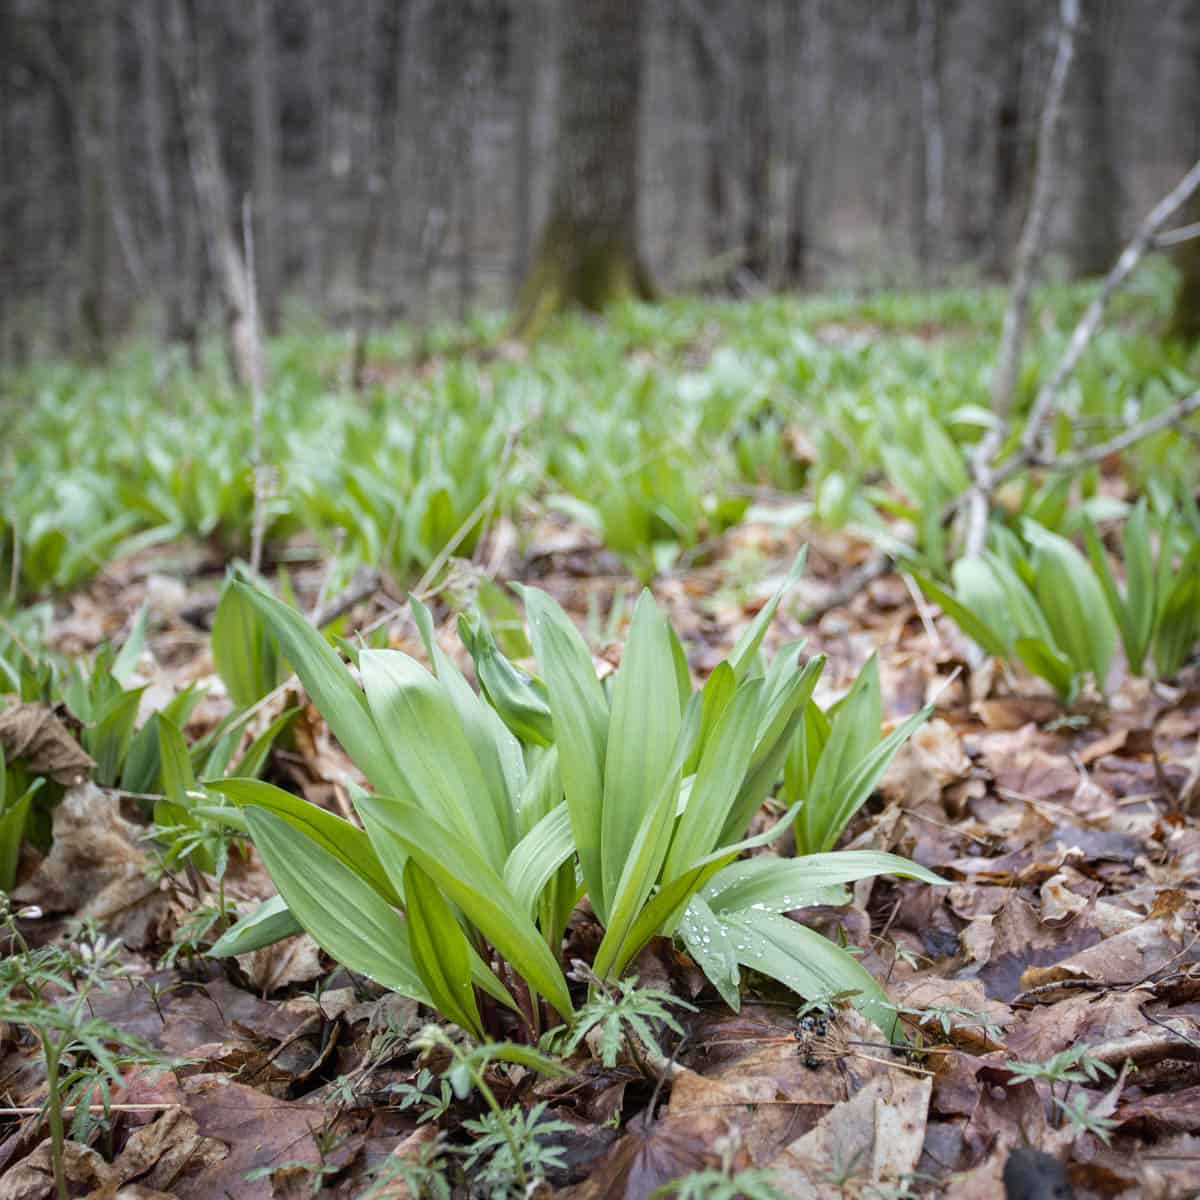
<point x="855" y="788"/>
<point x="1179" y="622"/>
<point x="1043" y="660"/>
<point x="178" y="779"/>
<point x="244" y="651"/>
<point x="988" y="638"/>
<point x="1073" y="601"/>
<point x="337" y="697"/>
<point x="519" y="700"/>
<point x="785" y="884"/>
<point x="424" y="735"/>
<point x="719" y="777"/>
<point x="12" y="832"/>
<point x="809" y="964"/>
<point x="707" y="940"/>
<point x="346" y="842"/>
<point x="497" y="751"/>
<point x="270" y="922"/>
<point x="467" y="879"/>
<point x="537" y="856"/>
<point x="439" y="951"/>
<point x="642" y="735"/>
<point x="345" y="915"/>
<point x="109" y="739"/>
<point x="580" y="714"/>
<point x="854" y="731"/>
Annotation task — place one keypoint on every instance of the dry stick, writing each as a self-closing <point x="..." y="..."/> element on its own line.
<point x="1016" y="316"/>
<point x="1085" y="330"/>
<point x="1094" y="454"/>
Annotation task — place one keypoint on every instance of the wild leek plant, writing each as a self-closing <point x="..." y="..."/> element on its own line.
<point x="1038" y="599"/>
<point x="493" y="813"/>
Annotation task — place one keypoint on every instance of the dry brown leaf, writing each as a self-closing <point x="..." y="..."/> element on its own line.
<point x="33" y="735"/>
<point x="876" y="1135"/>
<point x="96" y="868"/>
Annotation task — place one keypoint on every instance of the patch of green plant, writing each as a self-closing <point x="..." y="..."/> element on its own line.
<point x="493" y="813"/>
<point x="1039" y="600"/>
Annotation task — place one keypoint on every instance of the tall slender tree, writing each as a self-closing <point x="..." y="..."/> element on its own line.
<point x="588" y="251"/>
<point x="1185" y="317"/>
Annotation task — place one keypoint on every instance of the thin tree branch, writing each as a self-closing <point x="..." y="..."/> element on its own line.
<point x="1178" y="411"/>
<point x="1085" y="330"/>
<point x="1016" y="316"/>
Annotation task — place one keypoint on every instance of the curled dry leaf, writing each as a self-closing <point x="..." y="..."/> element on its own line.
<point x="33" y="735"/>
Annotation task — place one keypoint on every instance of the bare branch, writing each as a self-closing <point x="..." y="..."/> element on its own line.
<point x="1178" y="411"/>
<point x="1085" y="330"/>
<point x="1016" y="316"/>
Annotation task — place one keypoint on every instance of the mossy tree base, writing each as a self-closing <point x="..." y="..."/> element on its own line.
<point x="571" y="270"/>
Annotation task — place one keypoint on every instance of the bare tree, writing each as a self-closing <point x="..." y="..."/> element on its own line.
<point x="588" y="252"/>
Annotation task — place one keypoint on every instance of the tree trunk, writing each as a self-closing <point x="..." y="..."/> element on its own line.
<point x="268" y="214"/>
<point x="588" y="252"/>
<point x="95" y="127"/>
<point x="1185" y="317"/>
<point x="1095" y="236"/>
<point x="931" y="214"/>
<point x="1011" y="162"/>
<point x="190" y="65"/>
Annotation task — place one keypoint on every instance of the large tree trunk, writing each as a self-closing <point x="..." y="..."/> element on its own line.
<point x="1095" y="236"/>
<point x="588" y="252"/>
<point x="1185" y="318"/>
<point x="190" y="66"/>
<point x="268" y="216"/>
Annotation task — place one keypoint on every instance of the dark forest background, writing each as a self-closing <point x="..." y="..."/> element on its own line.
<point x="396" y="157"/>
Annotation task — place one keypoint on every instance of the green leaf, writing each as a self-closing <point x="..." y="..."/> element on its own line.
<point x="496" y="750"/>
<point x="809" y="964"/>
<point x="1179" y="622"/>
<point x="1073" y="602"/>
<point x="426" y="740"/>
<point x="125" y="664"/>
<point x="537" y="856"/>
<point x="337" y="697"/>
<point x="519" y="701"/>
<point x="12" y="831"/>
<point x="470" y="882"/>
<point x="109" y="739"/>
<point x="440" y="952"/>
<point x="580" y="714"/>
<point x="642" y="734"/>
<point x="346" y="842"/>
<point x="244" y="651"/>
<point x="718" y="779"/>
<point x="975" y="626"/>
<point x="345" y="915"/>
<point x="785" y="884"/>
<point x="1043" y="660"/>
<point x="706" y="937"/>
<point x="270" y="922"/>
<point x="178" y="778"/>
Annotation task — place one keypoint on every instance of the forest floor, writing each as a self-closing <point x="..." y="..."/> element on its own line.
<point x="1053" y="985"/>
<point x="1070" y="922"/>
